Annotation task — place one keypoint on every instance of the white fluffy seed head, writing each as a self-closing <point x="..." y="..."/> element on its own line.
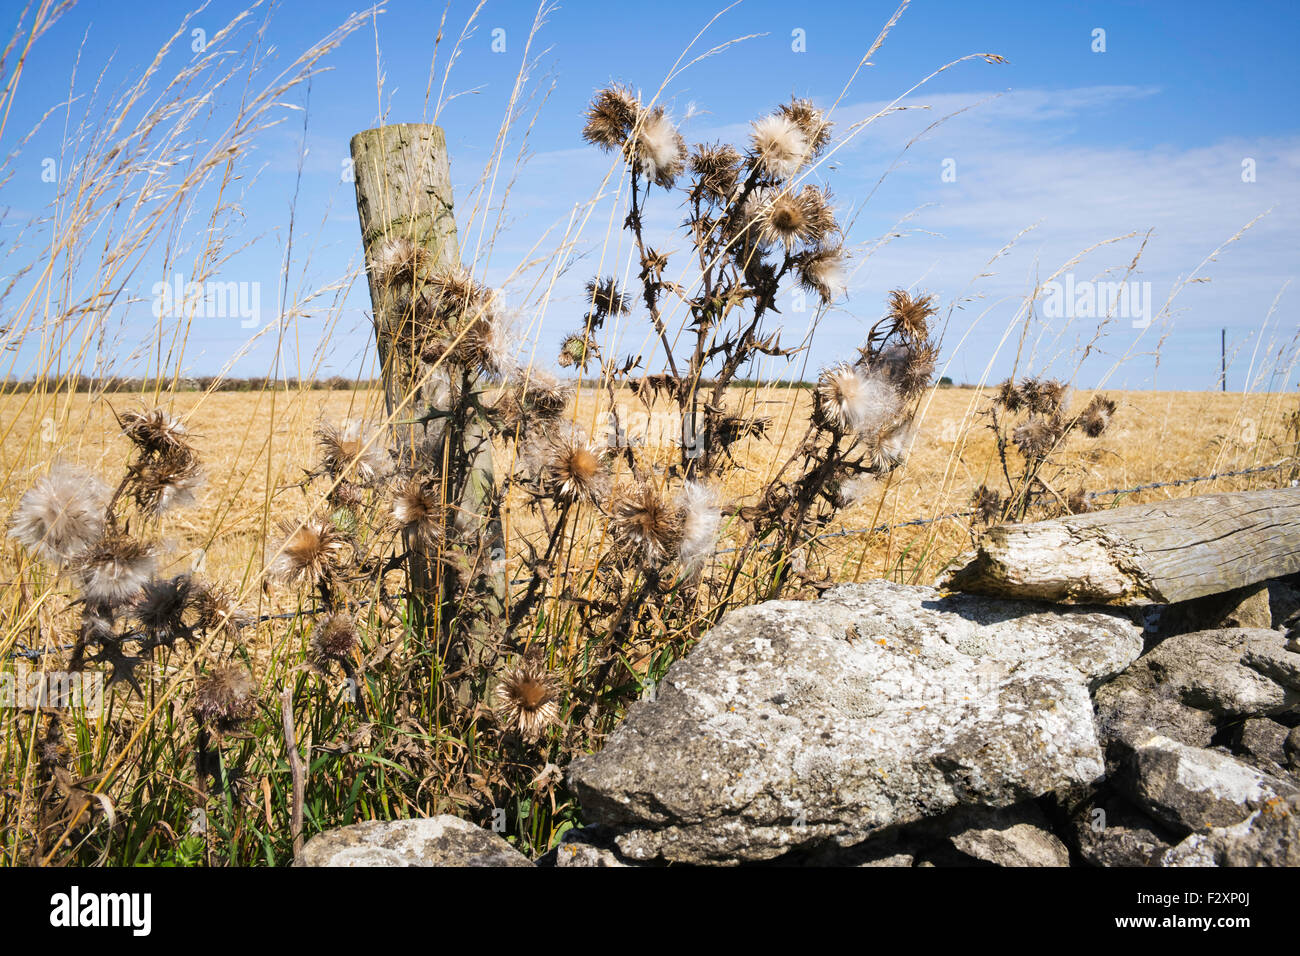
<point x="701" y="519"/>
<point x="855" y="489"/>
<point x="853" y="399"/>
<point x="779" y="146"/>
<point x="62" y="516"/>
<point x="660" y="149"/>
<point x="891" y="450"/>
<point x="823" y="272"/>
<point x="116" y="570"/>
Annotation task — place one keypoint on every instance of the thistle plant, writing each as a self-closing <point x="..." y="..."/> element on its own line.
<point x="1031" y="422"/>
<point x="132" y="615"/>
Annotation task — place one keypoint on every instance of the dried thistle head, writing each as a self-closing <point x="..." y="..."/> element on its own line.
<point x="116" y="569"/>
<point x="1047" y="397"/>
<point x="854" y="399"/>
<point x="914" y="375"/>
<point x="1096" y="415"/>
<point x="605" y="299"/>
<point x="452" y="294"/>
<point x="528" y="699"/>
<point x="334" y="639"/>
<point x="535" y="395"/>
<point x="311" y="552"/>
<point x="1038" y="436"/>
<point x="155" y="432"/>
<point x="890" y="446"/>
<point x="575" y="466"/>
<point x="821" y="271"/>
<point x="576" y="350"/>
<point x="717" y="170"/>
<point x="61" y="516"/>
<point x="802" y="218"/>
<point x="162" y="482"/>
<point x="851" y="490"/>
<point x="911" y="314"/>
<point x="988" y="504"/>
<point x="484" y="341"/>
<point x="644" y="522"/>
<point x="215" y="607"/>
<point x="161" y="607"/>
<point x="811" y="121"/>
<point x="1079" y="502"/>
<point x="225" y="697"/>
<point x="352" y="451"/>
<point x="656" y="149"/>
<point x="779" y="147"/>
<point x="396" y="260"/>
<point x="611" y="117"/>
<point x="418" y="511"/>
<point x="1008" y="396"/>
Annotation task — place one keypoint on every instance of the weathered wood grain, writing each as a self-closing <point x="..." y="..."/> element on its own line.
<point x="1156" y="553"/>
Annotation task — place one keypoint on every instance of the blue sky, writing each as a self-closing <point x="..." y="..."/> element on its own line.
<point x="1083" y="146"/>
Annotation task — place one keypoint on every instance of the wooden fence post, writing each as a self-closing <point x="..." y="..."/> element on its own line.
<point x="403" y="184"/>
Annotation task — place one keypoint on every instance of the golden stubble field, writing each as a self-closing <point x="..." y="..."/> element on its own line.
<point x="256" y="447"/>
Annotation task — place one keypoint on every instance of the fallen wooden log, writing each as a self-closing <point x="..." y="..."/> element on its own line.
<point x="1155" y="553"/>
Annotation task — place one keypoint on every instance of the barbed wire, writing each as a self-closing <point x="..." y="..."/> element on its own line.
<point x="21" y="650"/>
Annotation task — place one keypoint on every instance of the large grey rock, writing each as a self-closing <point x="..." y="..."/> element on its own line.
<point x="796" y="723"/>
<point x="1014" y="836"/>
<point x="1268" y="837"/>
<point x="1197" y="789"/>
<point x="1188" y="682"/>
<point x="435" y="841"/>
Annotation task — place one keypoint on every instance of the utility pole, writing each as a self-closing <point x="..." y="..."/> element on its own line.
<point x="1223" y="359"/>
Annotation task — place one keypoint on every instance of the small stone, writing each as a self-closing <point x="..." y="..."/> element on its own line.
<point x="433" y="841"/>
<point x="1015" y="836"/>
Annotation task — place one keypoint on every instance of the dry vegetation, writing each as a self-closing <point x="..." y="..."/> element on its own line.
<point x="251" y="442"/>
<point x="318" y="690"/>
